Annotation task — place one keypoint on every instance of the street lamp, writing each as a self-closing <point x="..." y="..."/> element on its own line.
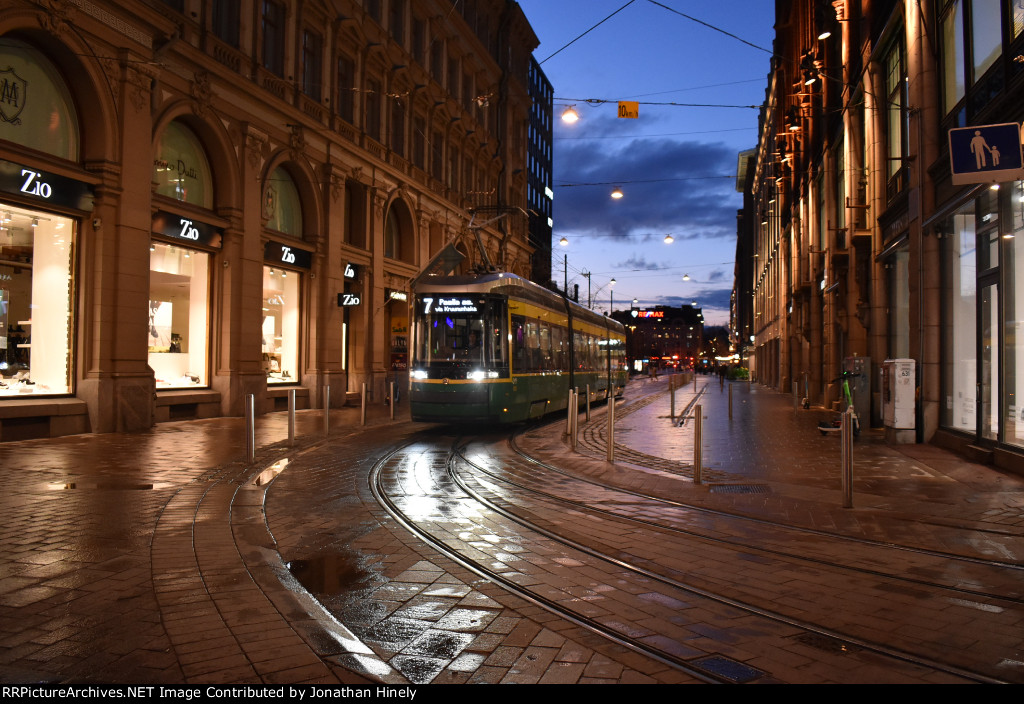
<point x="611" y="297"/>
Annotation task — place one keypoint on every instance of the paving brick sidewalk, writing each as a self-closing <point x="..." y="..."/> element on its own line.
<point x="145" y="558"/>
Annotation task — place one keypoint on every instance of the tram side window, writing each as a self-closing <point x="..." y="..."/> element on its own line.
<point x="519" y="356"/>
<point x="495" y="343"/>
<point x="558" y="347"/>
<point x="533" y="356"/>
<point x="546" y="361"/>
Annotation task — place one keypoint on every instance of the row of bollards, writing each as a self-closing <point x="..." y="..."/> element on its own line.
<point x="572" y="413"/>
<point x="250" y="416"/>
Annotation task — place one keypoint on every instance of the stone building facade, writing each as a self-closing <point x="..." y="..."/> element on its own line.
<point x="206" y="199"/>
<point x="864" y="243"/>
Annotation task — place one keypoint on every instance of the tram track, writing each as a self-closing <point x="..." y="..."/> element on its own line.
<point x="658" y="504"/>
<point x="457" y="490"/>
<point x="659" y="464"/>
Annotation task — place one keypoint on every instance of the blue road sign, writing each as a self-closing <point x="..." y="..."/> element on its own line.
<point x="986" y="153"/>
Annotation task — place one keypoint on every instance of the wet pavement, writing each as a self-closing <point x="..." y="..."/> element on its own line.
<point x="164" y="557"/>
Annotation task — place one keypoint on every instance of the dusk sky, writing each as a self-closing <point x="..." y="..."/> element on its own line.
<point x="676" y="165"/>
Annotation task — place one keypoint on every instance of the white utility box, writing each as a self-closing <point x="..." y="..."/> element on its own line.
<point x="898" y="393"/>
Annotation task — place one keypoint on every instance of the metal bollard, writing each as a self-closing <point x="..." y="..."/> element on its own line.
<point x="391" y="395"/>
<point x="327" y="411"/>
<point x="362" y="411"/>
<point x="730" y="401"/>
<point x="575" y="418"/>
<point x="672" y="402"/>
<point x="610" y="434"/>
<point x="291" y="417"/>
<point x="846" y="457"/>
<point x="568" y="414"/>
<point x="588" y="403"/>
<point x="250" y="428"/>
<point x="697" y="441"/>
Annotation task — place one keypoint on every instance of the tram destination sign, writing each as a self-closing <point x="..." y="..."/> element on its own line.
<point x="450" y="304"/>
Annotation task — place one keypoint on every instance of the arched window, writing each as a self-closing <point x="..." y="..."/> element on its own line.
<point x="47" y="119"/>
<point x="398" y="235"/>
<point x="281" y="204"/>
<point x="180" y="167"/>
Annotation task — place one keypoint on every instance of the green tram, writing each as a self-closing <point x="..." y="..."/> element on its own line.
<point x="497" y="348"/>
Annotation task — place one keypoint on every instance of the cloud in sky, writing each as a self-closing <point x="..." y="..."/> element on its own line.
<point x="635" y="263"/>
<point x="685" y="188"/>
<point x="708" y="298"/>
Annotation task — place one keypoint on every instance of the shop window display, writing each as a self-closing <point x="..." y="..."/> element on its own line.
<point x="35" y="302"/>
<point x="178" y="305"/>
<point x="280" y="325"/>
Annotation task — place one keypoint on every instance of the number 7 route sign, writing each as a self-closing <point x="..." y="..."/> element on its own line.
<point x="986" y="153"/>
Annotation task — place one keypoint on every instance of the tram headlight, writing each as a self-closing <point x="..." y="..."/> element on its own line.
<point x="419" y="374"/>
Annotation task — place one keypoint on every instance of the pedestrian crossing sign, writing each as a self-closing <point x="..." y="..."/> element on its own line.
<point x="986" y="153"/>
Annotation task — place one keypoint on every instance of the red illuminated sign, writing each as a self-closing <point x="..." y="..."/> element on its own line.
<point x="649" y="313"/>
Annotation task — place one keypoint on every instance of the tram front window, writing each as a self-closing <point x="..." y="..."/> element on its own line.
<point x="459" y="337"/>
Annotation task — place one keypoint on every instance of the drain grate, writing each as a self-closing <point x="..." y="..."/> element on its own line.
<point x="740" y="489"/>
<point x="728" y="669"/>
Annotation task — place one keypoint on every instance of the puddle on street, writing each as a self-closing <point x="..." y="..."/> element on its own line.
<point x="332" y="574"/>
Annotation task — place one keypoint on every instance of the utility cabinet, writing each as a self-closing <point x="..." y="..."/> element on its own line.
<point x="898" y="393"/>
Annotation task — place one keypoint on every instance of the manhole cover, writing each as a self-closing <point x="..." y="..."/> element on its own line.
<point x="739" y="489"/>
<point x="728" y="669"/>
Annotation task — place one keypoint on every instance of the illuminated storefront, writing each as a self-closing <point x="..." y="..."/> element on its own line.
<point x="40" y="212"/>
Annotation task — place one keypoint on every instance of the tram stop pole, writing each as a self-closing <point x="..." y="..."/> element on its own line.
<point x="362" y="410"/>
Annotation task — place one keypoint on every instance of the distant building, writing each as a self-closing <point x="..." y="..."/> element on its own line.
<point x="665" y="336"/>
<point x="540" y="160"/>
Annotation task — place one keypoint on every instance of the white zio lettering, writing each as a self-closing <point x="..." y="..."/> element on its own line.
<point x="33" y="186"/>
<point x="187" y="231"/>
<point x="349" y="299"/>
<point x="287" y="255"/>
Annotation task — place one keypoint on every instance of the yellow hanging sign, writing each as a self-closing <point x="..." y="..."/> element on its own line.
<point x="629" y="109"/>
